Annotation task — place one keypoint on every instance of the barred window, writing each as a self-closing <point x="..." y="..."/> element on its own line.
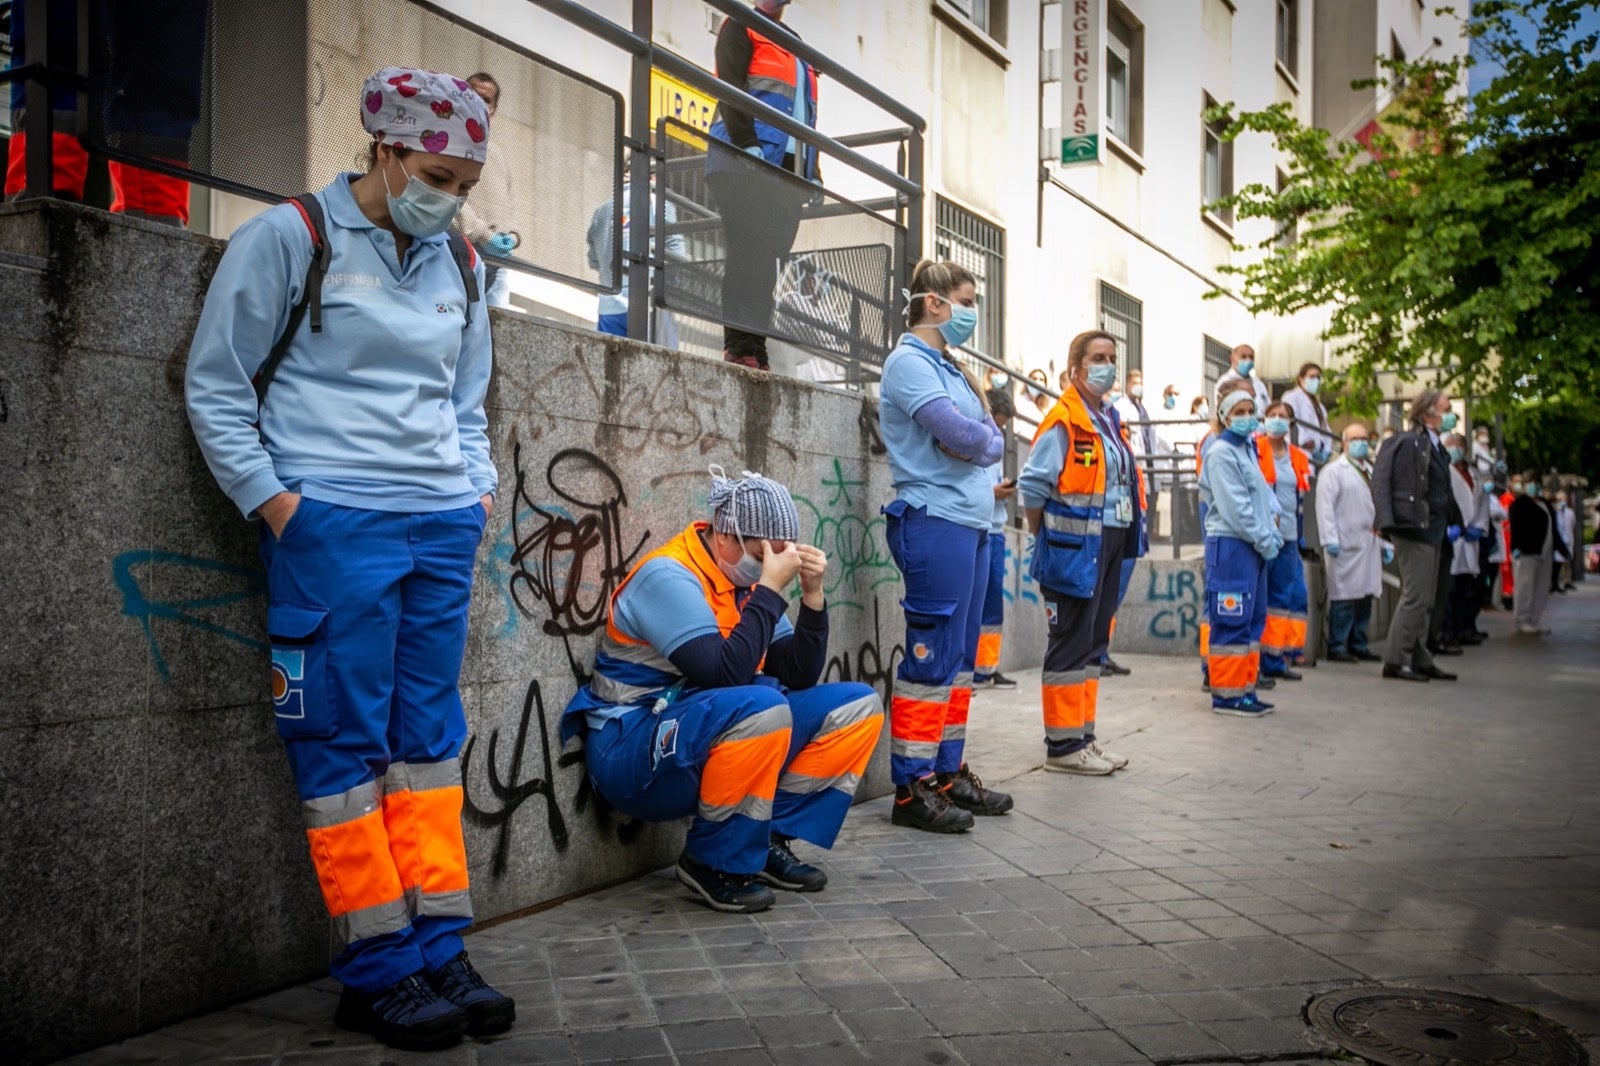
<point x="979" y="247"/>
<point x="1122" y="316"/>
<point x="1218" y="359"/>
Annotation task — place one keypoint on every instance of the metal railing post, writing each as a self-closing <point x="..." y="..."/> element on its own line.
<point x="637" y="249"/>
<point x="914" y="206"/>
<point x="38" y="123"/>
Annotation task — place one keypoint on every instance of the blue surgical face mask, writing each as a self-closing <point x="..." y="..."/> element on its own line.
<point x="962" y="324"/>
<point x="1531" y="490"/>
<point x="1359" y="449"/>
<point x="1448" y="422"/>
<point x="1169" y="402"/>
<point x="1312" y="385"/>
<point x="1244" y="425"/>
<point x="1277" y="427"/>
<point x="1455" y="454"/>
<point x="1100" y="377"/>
<point x="421" y="210"/>
<point x="997" y="381"/>
<point x="1246" y="365"/>
<point x="1203" y="411"/>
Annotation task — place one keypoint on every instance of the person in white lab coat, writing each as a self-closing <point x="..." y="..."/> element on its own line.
<point x="1311" y="431"/>
<point x="1350" y="547"/>
<point x="1466" y="586"/>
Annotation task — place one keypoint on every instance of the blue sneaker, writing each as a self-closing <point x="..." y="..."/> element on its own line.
<point x="488" y="1011"/>
<point x="732" y="893"/>
<point x="784" y="870"/>
<point x="1260" y="703"/>
<point x="1242" y="707"/>
<point x="408" y="1015"/>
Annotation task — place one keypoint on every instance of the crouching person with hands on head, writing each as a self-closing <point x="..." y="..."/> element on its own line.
<point x="705" y="701"/>
<point x="368" y="463"/>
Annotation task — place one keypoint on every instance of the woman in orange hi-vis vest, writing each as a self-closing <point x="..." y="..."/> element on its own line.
<point x="1080" y="492"/>
<point x="1287" y="470"/>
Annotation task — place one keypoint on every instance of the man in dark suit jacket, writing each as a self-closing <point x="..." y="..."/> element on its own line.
<point x="1411" y="497"/>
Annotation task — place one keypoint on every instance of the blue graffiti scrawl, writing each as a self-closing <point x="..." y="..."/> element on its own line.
<point x="134" y="571"/>
<point x="1018" y="564"/>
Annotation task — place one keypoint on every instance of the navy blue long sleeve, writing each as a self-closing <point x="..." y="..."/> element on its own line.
<point x="714" y="661"/>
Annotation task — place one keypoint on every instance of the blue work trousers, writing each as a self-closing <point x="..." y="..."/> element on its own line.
<point x="946" y="571"/>
<point x="653" y="766"/>
<point x="367" y="619"/>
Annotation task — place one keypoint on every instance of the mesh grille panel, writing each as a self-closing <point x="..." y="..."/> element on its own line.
<point x="261" y="97"/>
<point x="808" y="267"/>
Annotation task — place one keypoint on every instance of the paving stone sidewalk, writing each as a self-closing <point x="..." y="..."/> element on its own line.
<point x="1181" y="911"/>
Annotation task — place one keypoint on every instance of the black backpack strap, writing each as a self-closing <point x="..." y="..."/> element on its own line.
<point x="321" y="255"/>
<point x="466" y="258"/>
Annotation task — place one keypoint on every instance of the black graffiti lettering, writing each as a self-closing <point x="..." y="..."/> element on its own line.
<point x="510" y="792"/>
<point x="567" y="560"/>
<point x="867" y="421"/>
<point x="870" y="664"/>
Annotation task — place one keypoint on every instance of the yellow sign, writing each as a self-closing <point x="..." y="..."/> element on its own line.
<point x="671" y="98"/>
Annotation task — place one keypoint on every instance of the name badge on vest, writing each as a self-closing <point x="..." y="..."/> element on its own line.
<point x="1124" y="511"/>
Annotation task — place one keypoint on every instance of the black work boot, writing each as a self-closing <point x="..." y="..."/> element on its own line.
<point x="965" y="790"/>
<point x="409" y="1015"/>
<point x="920" y="805"/>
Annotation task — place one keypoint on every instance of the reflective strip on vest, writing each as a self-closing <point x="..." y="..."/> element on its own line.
<point x="1083" y="527"/>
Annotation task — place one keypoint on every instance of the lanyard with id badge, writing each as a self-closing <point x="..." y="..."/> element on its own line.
<point x="1122" y="507"/>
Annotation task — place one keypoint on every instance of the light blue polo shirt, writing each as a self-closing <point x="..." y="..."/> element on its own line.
<point x="923" y="475"/>
<point x="384" y="409"/>
<point x="665" y="605"/>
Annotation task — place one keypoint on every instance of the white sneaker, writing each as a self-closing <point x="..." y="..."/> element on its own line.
<point x="1532" y="631"/>
<point x="1082" y="761"/>
<point x="1117" y="761"/>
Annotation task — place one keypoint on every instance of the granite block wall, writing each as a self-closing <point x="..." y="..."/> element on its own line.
<point x="150" y="841"/>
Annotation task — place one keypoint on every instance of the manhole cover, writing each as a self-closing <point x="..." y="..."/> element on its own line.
<point x="1418" y="1027"/>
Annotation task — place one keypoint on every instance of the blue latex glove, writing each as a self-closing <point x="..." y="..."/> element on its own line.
<point x="1332" y="549"/>
<point x="1388" y="556"/>
<point x="755" y="150"/>
<point x="1474" y="534"/>
<point x="1452" y="533"/>
<point x="503" y="243"/>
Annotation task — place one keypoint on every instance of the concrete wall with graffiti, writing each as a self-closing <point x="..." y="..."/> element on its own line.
<point x="153" y="856"/>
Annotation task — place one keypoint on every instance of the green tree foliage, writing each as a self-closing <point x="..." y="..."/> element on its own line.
<point x="1463" y="235"/>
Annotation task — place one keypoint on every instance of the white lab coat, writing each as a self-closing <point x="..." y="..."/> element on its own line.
<point x="1308" y="409"/>
<point x="1344" y="517"/>
<point x="1474" y="505"/>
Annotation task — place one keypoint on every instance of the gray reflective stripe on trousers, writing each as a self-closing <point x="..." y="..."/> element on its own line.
<point x="1083" y="527"/>
<point x="756" y="807"/>
<point x="440" y="904"/>
<point x="1232" y="649"/>
<point x="1255" y="646"/>
<point x="804" y="786"/>
<point x="914" y="749"/>
<point x="1063" y="678"/>
<point x="422" y="776"/>
<point x="758" y="725"/>
<point x="1092" y="672"/>
<point x="910" y="690"/>
<point x="1228" y="693"/>
<point x="990" y="630"/>
<point x="963" y="680"/>
<point x="636" y="653"/>
<point x="617" y="693"/>
<point x="368" y="922"/>
<point x="849" y="714"/>
<point x="342" y="807"/>
<point x="773" y="85"/>
<point x="955" y="732"/>
<point x="1065" y="734"/>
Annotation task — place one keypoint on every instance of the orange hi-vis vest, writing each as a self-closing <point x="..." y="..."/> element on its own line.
<point x="629" y="672"/>
<point x="1066" y="556"/>
<point x="1269" y="464"/>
